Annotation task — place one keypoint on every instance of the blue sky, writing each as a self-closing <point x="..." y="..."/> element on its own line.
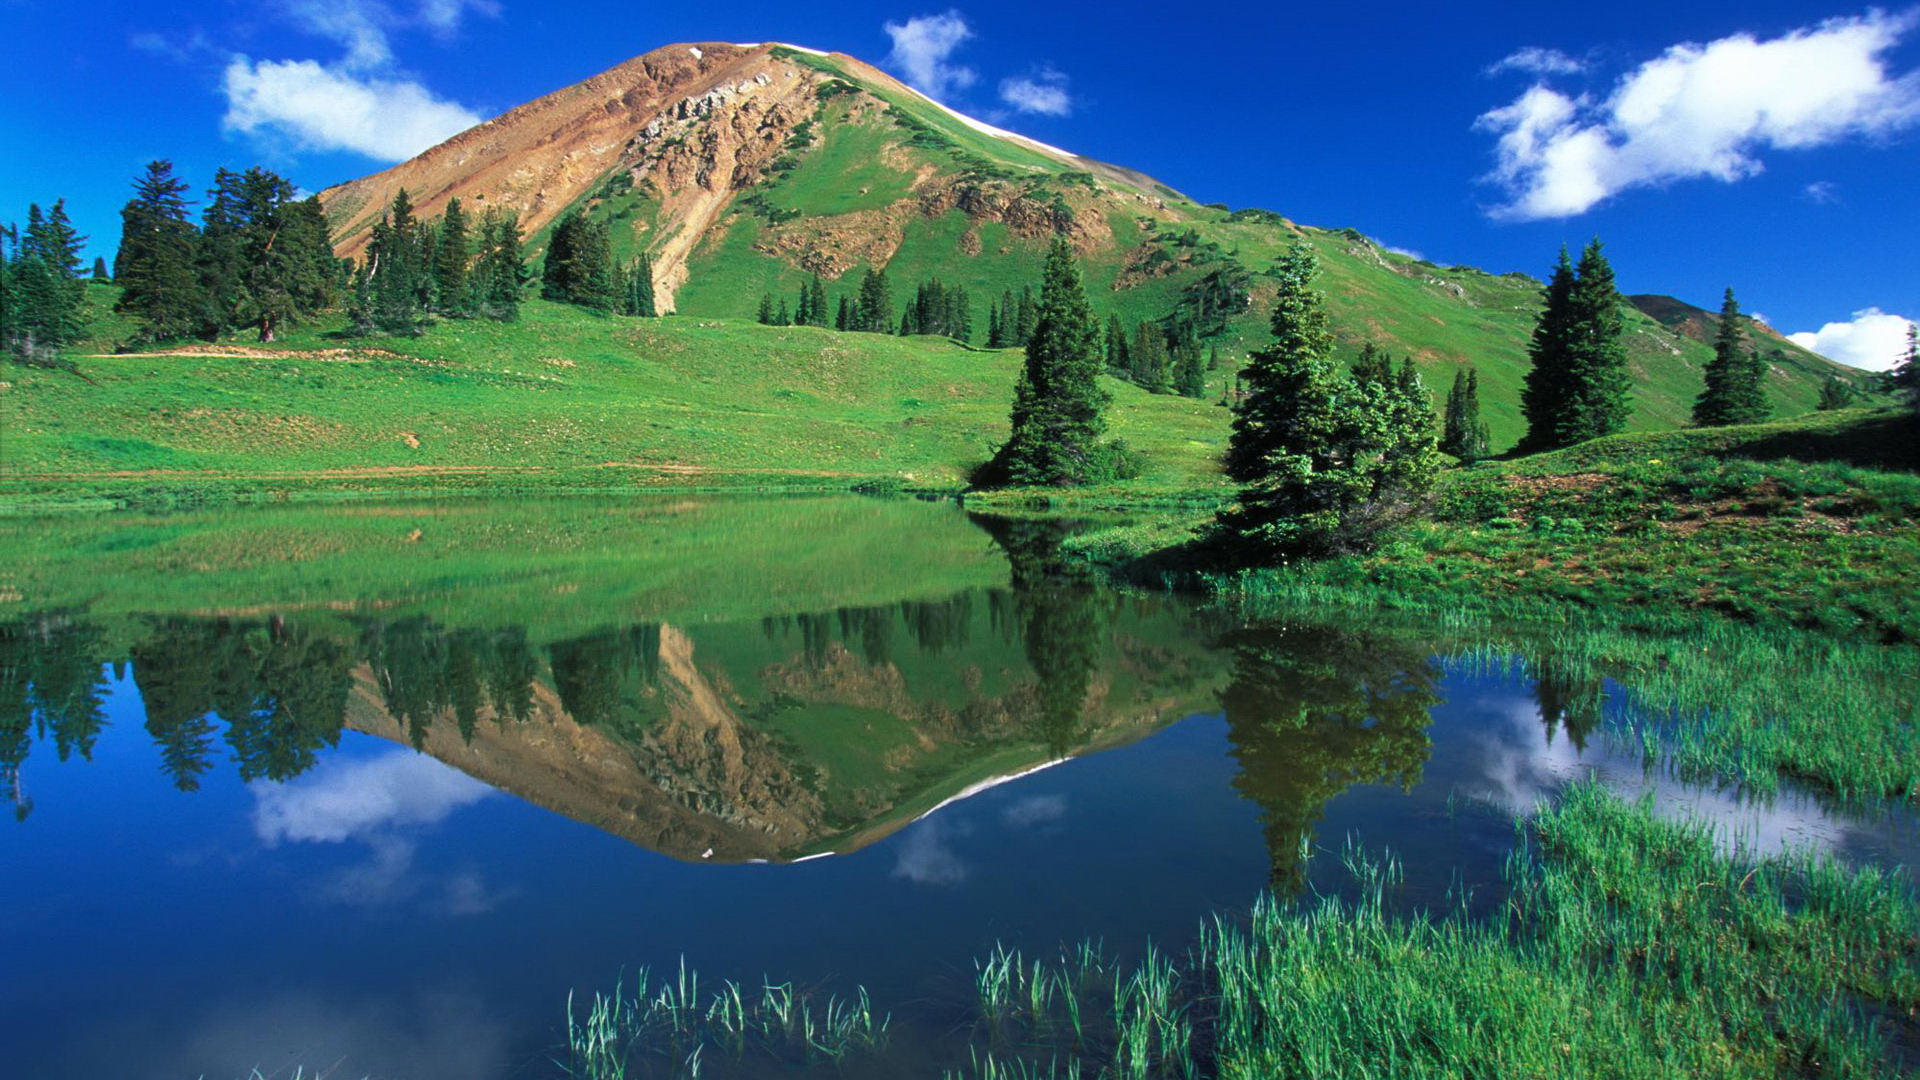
<point x="1767" y="146"/>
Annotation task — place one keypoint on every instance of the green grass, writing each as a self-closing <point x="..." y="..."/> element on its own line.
<point x="562" y="400"/>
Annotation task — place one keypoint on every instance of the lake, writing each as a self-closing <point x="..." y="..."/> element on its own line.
<point x="372" y="790"/>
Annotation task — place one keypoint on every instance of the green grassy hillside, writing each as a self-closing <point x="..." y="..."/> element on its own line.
<point x="562" y="399"/>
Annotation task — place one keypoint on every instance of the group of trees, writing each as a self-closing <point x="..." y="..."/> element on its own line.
<point x="1324" y="457"/>
<point x="580" y="270"/>
<point x="1158" y="358"/>
<point x="936" y="308"/>
<point x="260" y="258"/>
<point x="42" y="296"/>
<point x="1010" y="323"/>
<point x="1463" y="434"/>
<point x="451" y="266"/>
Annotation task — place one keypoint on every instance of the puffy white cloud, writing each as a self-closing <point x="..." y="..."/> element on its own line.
<point x="1044" y="92"/>
<point x="360" y="102"/>
<point x="1824" y="192"/>
<point x="1538" y="61"/>
<point x="1872" y="339"/>
<point x="343" y="800"/>
<point x="921" y="48"/>
<point x="1701" y="110"/>
<point x="331" y="108"/>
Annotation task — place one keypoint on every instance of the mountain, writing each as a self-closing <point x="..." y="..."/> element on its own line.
<point x="745" y="169"/>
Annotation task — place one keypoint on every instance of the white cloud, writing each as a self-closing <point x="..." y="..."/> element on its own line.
<point x="921" y="46"/>
<point x="360" y="102"/>
<point x="1701" y="110"/>
<point x="925" y="858"/>
<point x="1873" y="340"/>
<point x="1044" y="92"/>
<point x="344" y="800"/>
<point x="1824" y="192"/>
<point x="1034" y="810"/>
<point x="1408" y="252"/>
<point x="330" y="108"/>
<point x="1538" y="61"/>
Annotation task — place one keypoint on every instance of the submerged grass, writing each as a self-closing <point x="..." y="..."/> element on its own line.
<point x="1626" y="946"/>
<point x="674" y="1030"/>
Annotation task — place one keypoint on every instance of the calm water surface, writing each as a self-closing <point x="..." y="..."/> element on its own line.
<point x="372" y="791"/>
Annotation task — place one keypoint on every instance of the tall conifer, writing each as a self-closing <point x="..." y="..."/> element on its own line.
<point x="155" y="263"/>
<point x="1059" y="406"/>
<point x="1735" y="392"/>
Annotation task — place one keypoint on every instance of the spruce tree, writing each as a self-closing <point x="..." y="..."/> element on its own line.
<point x="155" y="266"/>
<point x="391" y="284"/>
<point x="1577" y="387"/>
<point x="817" y="302"/>
<point x="1026" y="319"/>
<point x="995" y="339"/>
<point x="639" y="289"/>
<point x="783" y="318"/>
<point x="452" y="261"/>
<point x="1147" y="357"/>
<point x="843" y="319"/>
<point x="1835" y="393"/>
<point x="765" y="315"/>
<point x="1464" y="434"/>
<point x="499" y="267"/>
<point x="1189" y="371"/>
<point x="1905" y="376"/>
<point x="1602" y="402"/>
<point x="49" y="296"/>
<point x="1117" y="362"/>
<point x="875" y="308"/>
<point x="1059" y="406"/>
<point x="100" y="273"/>
<point x="1734" y="392"/>
<point x="1324" y="460"/>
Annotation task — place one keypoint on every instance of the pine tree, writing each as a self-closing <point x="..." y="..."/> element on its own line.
<point x="1577" y="387"/>
<point x="1464" y="434"/>
<point x="817" y="302"/>
<point x="765" y="315"/>
<point x="783" y="318"/>
<point x="160" y="287"/>
<point x="1835" y="393"/>
<point x="48" y="295"/>
<point x="1324" y="460"/>
<point x="579" y="265"/>
<point x="1189" y="371"/>
<point x="803" y="311"/>
<point x="452" y="260"/>
<point x="100" y="270"/>
<point x="843" y="319"/>
<point x="1147" y="357"/>
<point x="499" y="267"/>
<point x="1058" y="404"/>
<point x="1116" y="350"/>
<point x="390" y="288"/>
<point x="995" y="339"/>
<point x="1600" y="353"/>
<point x="1905" y="376"/>
<point x="1372" y="366"/>
<point x="639" y="289"/>
<point x="1026" y="319"/>
<point x="1734" y="393"/>
<point x="874" y="310"/>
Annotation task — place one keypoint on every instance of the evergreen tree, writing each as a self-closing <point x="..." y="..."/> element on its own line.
<point x="817" y="303"/>
<point x="1735" y="392"/>
<point x="1189" y="371"/>
<point x="1324" y="460"/>
<point x="579" y="265"/>
<point x="803" y="311"/>
<point x="638" y="291"/>
<point x="995" y="340"/>
<point x="765" y="315"/>
<point x="452" y="261"/>
<point x="1027" y="318"/>
<point x="783" y="318"/>
<point x="1905" y="376"/>
<point x="874" y="310"/>
<point x="1374" y="366"/>
<point x="1147" y="357"/>
<point x="155" y="266"/>
<point x="100" y="270"/>
<point x="1058" y="404"/>
<point x="843" y="320"/>
<point x="1464" y="434"/>
<point x="1835" y="393"/>
<point x="46" y="295"/>
<point x="1116" y="349"/>
<point x="394" y="278"/>
<point x="499" y="267"/>
<point x="1577" y="387"/>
